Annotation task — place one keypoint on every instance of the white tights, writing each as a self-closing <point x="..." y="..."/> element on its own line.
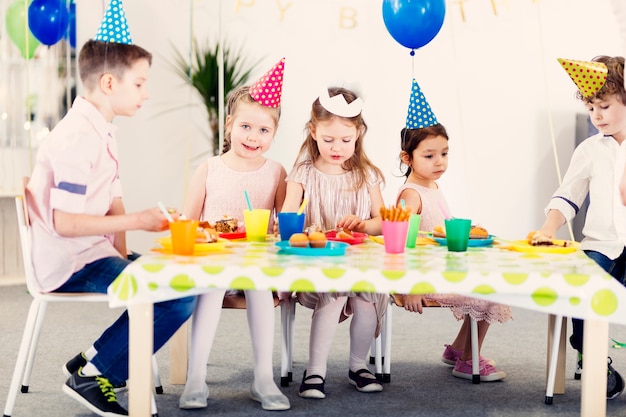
<point x="324" y="327"/>
<point x="260" y="313"/>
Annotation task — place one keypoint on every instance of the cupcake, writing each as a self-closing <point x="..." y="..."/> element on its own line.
<point x="317" y="240"/>
<point x="299" y="240"/>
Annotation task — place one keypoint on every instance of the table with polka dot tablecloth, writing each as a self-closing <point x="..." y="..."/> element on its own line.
<point x="569" y="285"/>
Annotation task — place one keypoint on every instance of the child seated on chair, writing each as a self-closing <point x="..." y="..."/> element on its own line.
<point x="78" y="219"/>
<point x="219" y="187"/>
<point x="424" y="144"/>
<point x="594" y="170"/>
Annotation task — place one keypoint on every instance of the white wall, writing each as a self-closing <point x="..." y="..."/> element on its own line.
<point x="491" y="78"/>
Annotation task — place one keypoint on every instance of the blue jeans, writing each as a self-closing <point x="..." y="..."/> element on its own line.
<point x="112" y="345"/>
<point x="616" y="268"/>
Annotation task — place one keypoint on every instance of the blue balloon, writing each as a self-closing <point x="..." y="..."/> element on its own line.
<point x="413" y="23"/>
<point x="48" y="20"/>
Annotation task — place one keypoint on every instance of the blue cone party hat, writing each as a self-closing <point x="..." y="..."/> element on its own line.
<point x="114" y="27"/>
<point x="419" y="114"/>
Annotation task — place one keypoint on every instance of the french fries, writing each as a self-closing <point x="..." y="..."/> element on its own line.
<point x="396" y="214"/>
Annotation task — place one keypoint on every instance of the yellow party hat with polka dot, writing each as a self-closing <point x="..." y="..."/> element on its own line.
<point x="419" y="114"/>
<point x="267" y="91"/>
<point x="588" y="76"/>
<point x="114" y="27"/>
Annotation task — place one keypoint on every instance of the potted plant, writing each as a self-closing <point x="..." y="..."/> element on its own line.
<point x="202" y="73"/>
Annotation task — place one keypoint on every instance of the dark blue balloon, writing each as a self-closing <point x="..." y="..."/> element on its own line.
<point x="48" y="20"/>
<point x="413" y="23"/>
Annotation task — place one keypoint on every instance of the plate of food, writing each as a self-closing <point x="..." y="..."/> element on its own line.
<point x="539" y="243"/>
<point x="479" y="236"/>
<point x="201" y="247"/>
<point x="330" y="249"/>
<point x="346" y="236"/>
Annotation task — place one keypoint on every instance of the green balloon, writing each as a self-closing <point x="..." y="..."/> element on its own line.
<point x="17" y="28"/>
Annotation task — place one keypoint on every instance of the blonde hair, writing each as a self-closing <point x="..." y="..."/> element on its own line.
<point x="233" y="100"/>
<point x="359" y="163"/>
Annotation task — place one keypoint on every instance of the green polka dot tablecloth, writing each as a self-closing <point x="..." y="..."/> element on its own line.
<point x="569" y="285"/>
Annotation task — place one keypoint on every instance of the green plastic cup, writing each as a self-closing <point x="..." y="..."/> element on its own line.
<point x="413" y="232"/>
<point x="457" y="234"/>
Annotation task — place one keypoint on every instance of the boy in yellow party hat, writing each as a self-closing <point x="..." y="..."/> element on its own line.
<point x="78" y="218"/>
<point x="595" y="171"/>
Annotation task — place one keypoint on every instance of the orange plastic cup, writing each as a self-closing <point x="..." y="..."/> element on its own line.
<point x="183" y="236"/>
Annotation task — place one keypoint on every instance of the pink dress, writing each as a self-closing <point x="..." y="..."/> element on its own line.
<point x="460" y="305"/>
<point x="331" y="197"/>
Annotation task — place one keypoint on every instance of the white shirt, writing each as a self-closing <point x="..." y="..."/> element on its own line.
<point x="596" y="169"/>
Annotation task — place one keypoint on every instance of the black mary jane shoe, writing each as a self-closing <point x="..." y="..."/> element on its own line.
<point x="364" y="384"/>
<point x="308" y="390"/>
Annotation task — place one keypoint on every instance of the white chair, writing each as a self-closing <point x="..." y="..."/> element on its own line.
<point x="36" y="313"/>
<point x="380" y="350"/>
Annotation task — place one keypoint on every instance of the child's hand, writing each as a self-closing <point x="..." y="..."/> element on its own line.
<point x="153" y="220"/>
<point x="351" y="222"/>
<point x="414" y="303"/>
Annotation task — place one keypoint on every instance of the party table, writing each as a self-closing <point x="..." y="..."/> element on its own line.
<point x="558" y="284"/>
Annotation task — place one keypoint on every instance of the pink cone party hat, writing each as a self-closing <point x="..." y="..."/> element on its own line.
<point x="419" y="114"/>
<point x="268" y="89"/>
<point x="588" y="76"/>
<point x="114" y="27"/>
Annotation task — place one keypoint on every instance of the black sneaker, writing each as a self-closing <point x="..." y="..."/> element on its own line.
<point x="614" y="382"/>
<point x="94" y="392"/>
<point x="74" y="364"/>
<point x="78" y="362"/>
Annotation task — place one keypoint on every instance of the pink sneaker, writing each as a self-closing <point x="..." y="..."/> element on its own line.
<point x="450" y="356"/>
<point x="488" y="373"/>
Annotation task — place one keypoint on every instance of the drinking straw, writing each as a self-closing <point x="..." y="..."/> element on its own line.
<point x="402" y="203"/>
<point x="302" y="206"/>
<point x="248" y="200"/>
<point x="444" y="211"/>
<point x="167" y="214"/>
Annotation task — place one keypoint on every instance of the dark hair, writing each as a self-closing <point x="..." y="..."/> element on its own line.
<point x="97" y="58"/>
<point x="233" y="100"/>
<point x="359" y="162"/>
<point x="614" y="80"/>
<point x="411" y="138"/>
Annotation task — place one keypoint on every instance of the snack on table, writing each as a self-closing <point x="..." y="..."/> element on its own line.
<point x="227" y="224"/>
<point x="396" y="214"/>
<point x="317" y="240"/>
<point x="536" y="238"/>
<point x="313" y="228"/>
<point x="206" y="233"/>
<point x="344" y="234"/>
<point x="299" y="240"/>
<point x="476" y="232"/>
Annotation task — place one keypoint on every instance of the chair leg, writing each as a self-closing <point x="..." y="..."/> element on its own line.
<point x="287" y="318"/>
<point x="156" y="378"/>
<point x="153" y="406"/>
<point x="387" y="346"/>
<point x="554" y="354"/>
<point x="41" y="313"/>
<point x="475" y="354"/>
<point x="22" y="355"/>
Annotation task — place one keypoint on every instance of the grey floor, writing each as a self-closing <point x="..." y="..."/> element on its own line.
<point x="420" y="385"/>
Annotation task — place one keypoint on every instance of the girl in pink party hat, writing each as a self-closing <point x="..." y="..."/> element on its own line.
<point x="343" y="189"/>
<point x="218" y="187"/>
<point x="424" y="144"/>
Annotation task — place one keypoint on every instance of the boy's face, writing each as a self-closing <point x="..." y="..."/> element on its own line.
<point x="608" y="115"/>
<point x="129" y="92"/>
<point x="252" y="129"/>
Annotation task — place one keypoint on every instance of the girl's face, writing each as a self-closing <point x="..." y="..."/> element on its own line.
<point x="429" y="160"/>
<point x="336" y="139"/>
<point x="608" y="115"/>
<point x="252" y="129"/>
<point x="130" y="91"/>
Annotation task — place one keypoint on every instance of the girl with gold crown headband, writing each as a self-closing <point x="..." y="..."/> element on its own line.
<point x="343" y="190"/>
<point x="595" y="170"/>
